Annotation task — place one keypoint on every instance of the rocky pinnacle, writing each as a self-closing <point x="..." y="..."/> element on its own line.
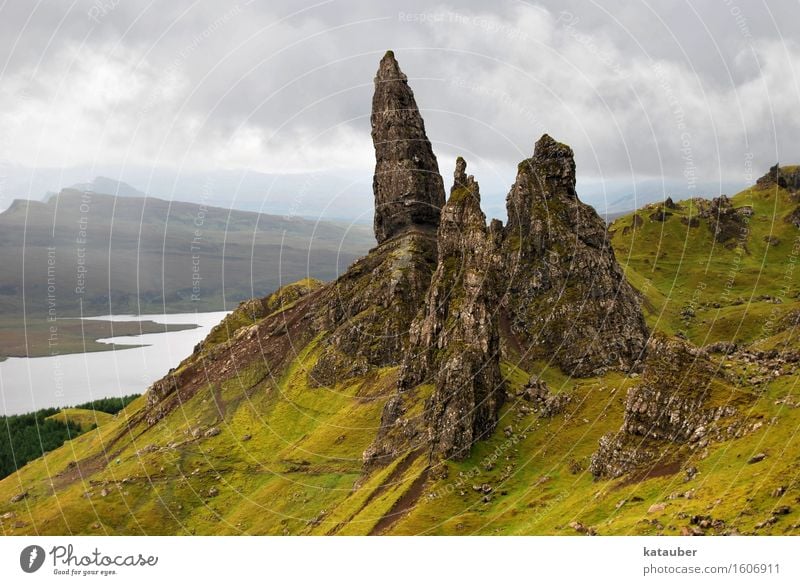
<point x="454" y="342"/>
<point x="567" y="298"/>
<point x="407" y="185"/>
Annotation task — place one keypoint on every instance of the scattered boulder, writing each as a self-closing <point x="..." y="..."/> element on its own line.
<point x="19" y="497"/>
<point x="757" y="458"/>
<point x="578" y="527"/>
<point x="768" y="522"/>
<point x="544" y="401"/>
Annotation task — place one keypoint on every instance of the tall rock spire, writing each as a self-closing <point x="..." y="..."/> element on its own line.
<point x="407" y="185"/>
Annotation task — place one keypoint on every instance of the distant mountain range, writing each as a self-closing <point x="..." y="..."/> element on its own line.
<point x="132" y="254"/>
<point x="108" y="186"/>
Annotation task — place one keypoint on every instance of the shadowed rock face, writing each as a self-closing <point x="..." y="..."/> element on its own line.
<point x="567" y="298"/>
<point x="784" y="177"/>
<point x="407" y="186"/>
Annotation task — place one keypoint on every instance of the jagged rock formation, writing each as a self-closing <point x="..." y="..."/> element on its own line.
<point x="364" y="316"/>
<point x="371" y="306"/>
<point x="681" y="399"/>
<point x="566" y="297"/>
<point x="726" y="223"/>
<point x="369" y="309"/>
<point x="429" y="298"/>
<point x="454" y="342"/>
<point x="407" y="185"/>
<point x="785" y="177"/>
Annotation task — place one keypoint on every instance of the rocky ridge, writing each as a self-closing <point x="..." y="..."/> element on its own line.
<point x="682" y="399"/>
<point x="454" y="342"/>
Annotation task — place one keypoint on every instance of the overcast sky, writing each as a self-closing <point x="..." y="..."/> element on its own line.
<point x="699" y="94"/>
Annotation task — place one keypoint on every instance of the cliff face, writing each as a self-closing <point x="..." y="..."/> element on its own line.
<point x="682" y="399"/>
<point x="566" y="296"/>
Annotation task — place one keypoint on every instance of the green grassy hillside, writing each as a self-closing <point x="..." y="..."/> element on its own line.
<point x="708" y="291"/>
<point x="252" y="453"/>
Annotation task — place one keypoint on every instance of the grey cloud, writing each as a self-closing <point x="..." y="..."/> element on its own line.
<point x="702" y="94"/>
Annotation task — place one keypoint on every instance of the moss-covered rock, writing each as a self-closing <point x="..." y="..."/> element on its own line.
<point x="681" y="399"/>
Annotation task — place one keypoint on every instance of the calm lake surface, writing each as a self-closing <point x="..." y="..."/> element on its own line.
<point x="27" y="384"/>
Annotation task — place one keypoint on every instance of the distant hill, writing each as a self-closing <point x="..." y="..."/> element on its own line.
<point x="109" y="186"/>
<point x="134" y="254"/>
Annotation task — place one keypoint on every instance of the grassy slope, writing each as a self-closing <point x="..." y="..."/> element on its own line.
<point x="677" y="267"/>
<point x="297" y="471"/>
<point x="85" y="419"/>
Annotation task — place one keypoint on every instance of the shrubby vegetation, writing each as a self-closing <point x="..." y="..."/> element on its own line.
<point x="109" y="405"/>
<point x="24" y="437"/>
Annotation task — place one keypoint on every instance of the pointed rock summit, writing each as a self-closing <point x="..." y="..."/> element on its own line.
<point x="407" y="185"/>
<point x="567" y="299"/>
